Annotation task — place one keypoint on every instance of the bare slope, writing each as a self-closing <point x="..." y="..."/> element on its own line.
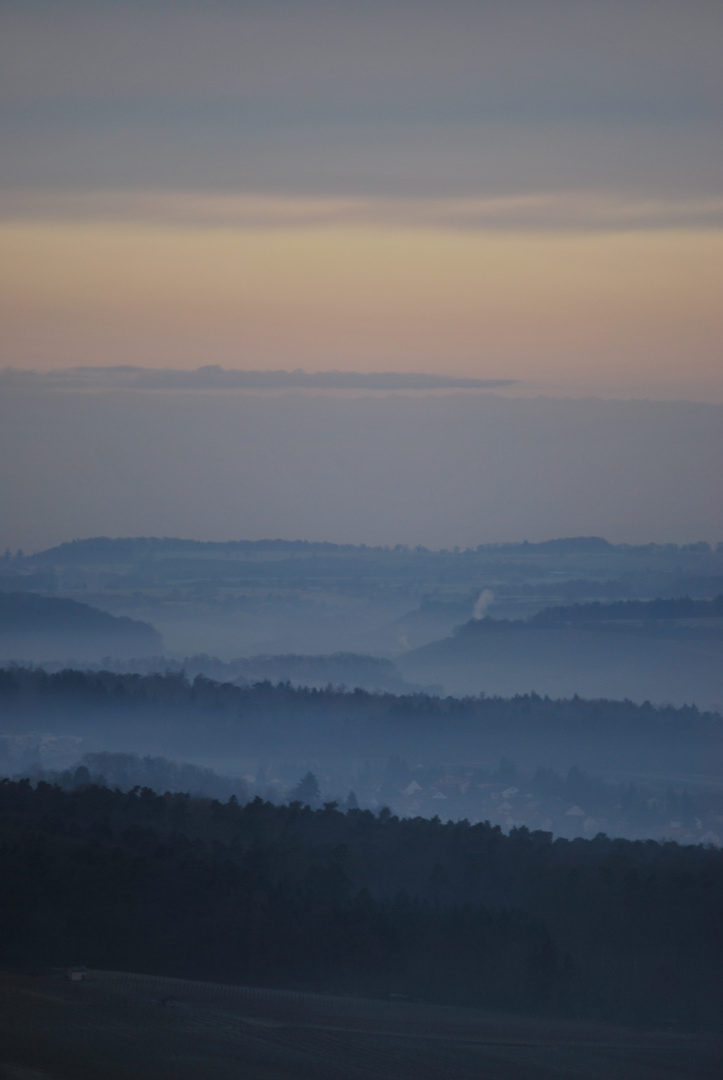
<point x="119" y="1025"/>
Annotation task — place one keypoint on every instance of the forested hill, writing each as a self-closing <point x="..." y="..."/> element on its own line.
<point x="24" y="612"/>
<point x="632" y="610"/>
<point x="25" y="685"/>
<point x="657" y="650"/>
<point x="368" y="904"/>
<point x="203" y="717"/>
<point x="35" y="626"/>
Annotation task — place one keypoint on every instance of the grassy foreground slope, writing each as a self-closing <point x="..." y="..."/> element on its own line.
<point x="119" y="1025"/>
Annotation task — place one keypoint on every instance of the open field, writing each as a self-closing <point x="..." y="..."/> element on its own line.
<point x="120" y="1025"/>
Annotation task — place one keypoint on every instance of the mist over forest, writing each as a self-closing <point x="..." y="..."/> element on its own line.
<point x="571" y="685"/>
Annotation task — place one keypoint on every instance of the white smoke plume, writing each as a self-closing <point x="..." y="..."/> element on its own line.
<point x="483" y="601"/>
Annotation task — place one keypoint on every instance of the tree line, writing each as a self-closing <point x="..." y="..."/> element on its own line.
<point x="33" y="686"/>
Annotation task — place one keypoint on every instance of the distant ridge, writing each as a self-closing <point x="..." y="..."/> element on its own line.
<point x="134" y="547"/>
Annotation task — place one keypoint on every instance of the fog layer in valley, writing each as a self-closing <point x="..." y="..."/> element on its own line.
<point x="400" y="620"/>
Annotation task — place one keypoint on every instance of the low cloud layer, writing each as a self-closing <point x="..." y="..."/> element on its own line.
<point x="528" y="211"/>
<point x="214" y="377"/>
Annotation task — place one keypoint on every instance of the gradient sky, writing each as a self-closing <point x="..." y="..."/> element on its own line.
<point x="527" y="190"/>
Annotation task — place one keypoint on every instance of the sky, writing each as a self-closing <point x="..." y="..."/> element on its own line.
<point x="526" y="194"/>
<point x="519" y="190"/>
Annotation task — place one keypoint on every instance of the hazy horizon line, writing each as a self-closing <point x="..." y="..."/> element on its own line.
<point x="577" y="543"/>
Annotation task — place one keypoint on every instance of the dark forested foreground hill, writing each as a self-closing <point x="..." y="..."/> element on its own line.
<point x="359" y="903"/>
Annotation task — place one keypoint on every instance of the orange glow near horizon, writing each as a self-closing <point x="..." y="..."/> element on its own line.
<point x="530" y="305"/>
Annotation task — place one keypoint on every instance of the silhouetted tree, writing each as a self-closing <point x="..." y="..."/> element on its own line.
<point x="307" y="790"/>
